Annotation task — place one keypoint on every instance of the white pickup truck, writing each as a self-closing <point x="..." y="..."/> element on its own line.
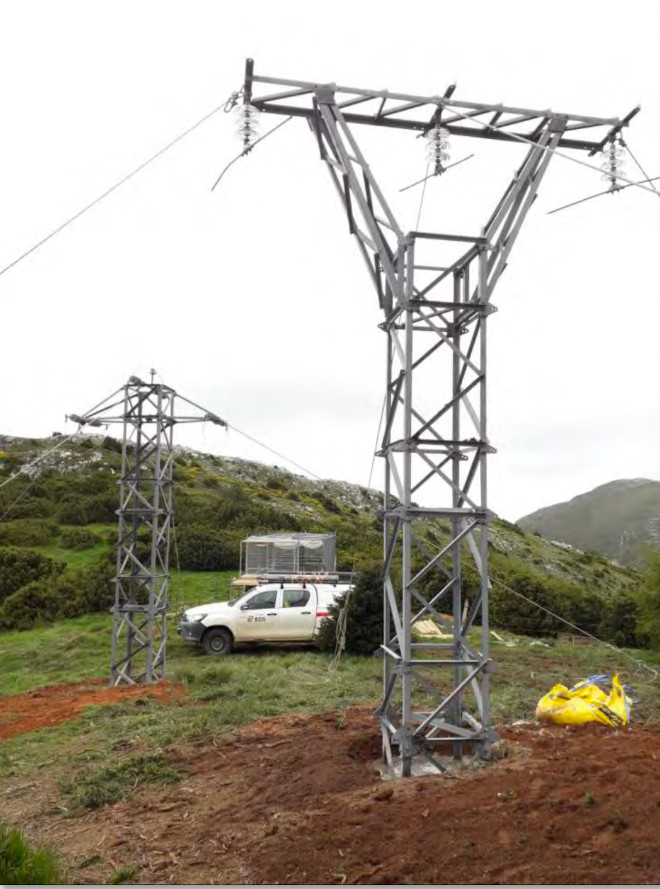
<point x="272" y="612"/>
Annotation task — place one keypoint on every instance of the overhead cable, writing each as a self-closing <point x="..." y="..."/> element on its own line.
<point x="433" y="174"/>
<point x="22" y="471"/>
<point x="597" y="195"/>
<point x="273" y="451"/>
<point x="641" y="169"/>
<point x="112" y="188"/>
<point x="638" y="663"/>
<point x="248" y="150"/>
<point x="421" y="202"/>
<point x="217" y="420"/>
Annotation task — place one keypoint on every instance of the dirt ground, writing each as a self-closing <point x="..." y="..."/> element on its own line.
<point x="299" y="799"/>
<point x="53" y="704"/>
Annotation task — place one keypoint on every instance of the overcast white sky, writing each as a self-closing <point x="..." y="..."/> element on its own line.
<point x="253" y="300"/>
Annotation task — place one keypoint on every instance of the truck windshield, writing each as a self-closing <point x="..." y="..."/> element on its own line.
<point x="235" y="599"/>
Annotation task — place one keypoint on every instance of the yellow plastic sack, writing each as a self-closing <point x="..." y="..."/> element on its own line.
<point x="586" y="702"/>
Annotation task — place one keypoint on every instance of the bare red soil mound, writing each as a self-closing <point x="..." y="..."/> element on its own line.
<point x="52" y="704"/>
<point x="299" y="800"/>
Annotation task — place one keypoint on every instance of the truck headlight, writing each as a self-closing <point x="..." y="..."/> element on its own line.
<point x="194" y="618"/>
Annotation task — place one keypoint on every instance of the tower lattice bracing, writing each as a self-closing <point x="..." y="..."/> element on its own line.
<point x="144" y="523"/>
<point x="145" y="520"/>
<point x="435" y="292"/>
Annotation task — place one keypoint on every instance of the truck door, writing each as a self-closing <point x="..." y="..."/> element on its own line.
<point x="259" y="617"/>
<point x="297" y="614"/>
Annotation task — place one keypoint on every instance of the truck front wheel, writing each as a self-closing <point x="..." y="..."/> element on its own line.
<point x="218" y="641"/>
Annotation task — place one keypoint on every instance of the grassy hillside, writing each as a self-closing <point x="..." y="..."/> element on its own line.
<point x="617" y="519"/>
<point x="58" y="530"/>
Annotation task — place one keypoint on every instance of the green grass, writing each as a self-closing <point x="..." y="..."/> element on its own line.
<point x="69" y="651"/>
<point x="123" y="875"/>
<point x="189" y="588"/>
<point x="74" y="558"/>
<point x="95" y="787"/>
<point x="78" y="649"/>
<point x="22" y="864"/>
<point x="77" y="558"/>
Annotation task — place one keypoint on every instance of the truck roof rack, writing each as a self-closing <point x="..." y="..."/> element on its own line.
<point x="333" y="578"/>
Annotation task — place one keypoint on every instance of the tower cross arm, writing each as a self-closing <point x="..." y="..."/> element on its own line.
<point x="398" y="110"/>
<point x="145" y="393"/>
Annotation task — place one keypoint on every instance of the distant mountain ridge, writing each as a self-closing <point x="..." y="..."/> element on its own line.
<point x="619" y="519"/>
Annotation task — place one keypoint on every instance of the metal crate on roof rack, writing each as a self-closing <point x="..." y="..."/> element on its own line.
<point x="288" y="553"/>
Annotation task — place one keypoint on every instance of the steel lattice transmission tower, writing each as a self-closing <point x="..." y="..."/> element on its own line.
<point x="144" y="525"/>
<point x="435" y="293"/>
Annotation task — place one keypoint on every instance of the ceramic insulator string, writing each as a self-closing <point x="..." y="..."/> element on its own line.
<point x="613" y="163"/>
<point x="437" y="147"/>
<point x="247" y="124"/>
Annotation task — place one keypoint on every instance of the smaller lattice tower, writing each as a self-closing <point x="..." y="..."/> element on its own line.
<point x="144" y="524"/>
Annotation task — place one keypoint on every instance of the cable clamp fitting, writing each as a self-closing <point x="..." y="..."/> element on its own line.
<point x="232" y="101"/>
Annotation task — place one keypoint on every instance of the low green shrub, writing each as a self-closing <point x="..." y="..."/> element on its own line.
<point x="111" y="444"/>
<point x="511" y="526"/>
<point x="19" y="567"/>
<point x="55" y="595"/>
<point x="126" y="874"/>
<point x="364" y="615"/>
<point x="78" y="538"/>
<point x="25" y="865"/>
<point x="72" y="511"/>
<point x="327" y="502"/>
<point x="31" y="606"/>
<point x="201" y="548"/>
<point x="27" y="532"/>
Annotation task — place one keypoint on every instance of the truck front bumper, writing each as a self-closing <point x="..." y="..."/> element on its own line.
<point x="191" y="631"/>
